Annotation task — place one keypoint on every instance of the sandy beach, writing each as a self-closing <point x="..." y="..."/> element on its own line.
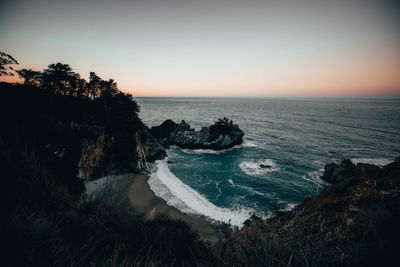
<point x="135" y="189"/>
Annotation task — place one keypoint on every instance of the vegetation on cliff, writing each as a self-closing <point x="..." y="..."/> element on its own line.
<point x="58" y="129"/>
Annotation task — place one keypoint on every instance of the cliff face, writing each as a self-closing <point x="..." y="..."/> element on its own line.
<point x="351" y="223"/>
<point x="56" y="141"/>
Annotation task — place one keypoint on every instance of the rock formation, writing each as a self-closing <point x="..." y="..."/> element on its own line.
<point x="353" y="222"/>
<point x="334" y="173"/>
<point x="222" y="135"/>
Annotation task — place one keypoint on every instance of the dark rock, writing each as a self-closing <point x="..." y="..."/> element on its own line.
<point x="335" y="173"/>
<point x="392" y="170"/>
<point x="254" y="219"/>
<point x="368" y="170"/>
<point x="265" y="166"/>
<point x="163" y="130"/>
<point x="222" y="135"/>
<point x="155" y="151"/>
<point x="184" y="125"/>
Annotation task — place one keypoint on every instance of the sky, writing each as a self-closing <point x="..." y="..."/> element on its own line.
<point x="213" y="48"/>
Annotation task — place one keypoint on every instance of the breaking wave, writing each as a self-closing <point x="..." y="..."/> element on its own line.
<point x="255" y="168"/>
<point x="376" y="161"/>
<point x="167" y="186"/>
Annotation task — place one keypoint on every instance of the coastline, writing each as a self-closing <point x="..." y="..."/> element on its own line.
<point x="134" y="189"/>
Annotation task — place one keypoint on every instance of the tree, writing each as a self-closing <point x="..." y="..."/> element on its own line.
<point x="5" y="60"/>
<point x="94" y="85"/>
<point x="109" y="87"/>
<point x="31" y="77"/>
<point x="78" y="86"/>
<point x="59" y="78"/>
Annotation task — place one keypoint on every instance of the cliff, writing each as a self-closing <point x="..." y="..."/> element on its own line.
<point x="51" y="143"/>
<point x="353" y="222"/>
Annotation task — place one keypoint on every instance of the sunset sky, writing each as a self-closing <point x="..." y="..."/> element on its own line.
<point x="213" y="48"/>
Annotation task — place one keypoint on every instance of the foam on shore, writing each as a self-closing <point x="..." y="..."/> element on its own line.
<point x="167" y="186"/>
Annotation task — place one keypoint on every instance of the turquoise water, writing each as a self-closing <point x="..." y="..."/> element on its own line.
<point x="297" y="137"/>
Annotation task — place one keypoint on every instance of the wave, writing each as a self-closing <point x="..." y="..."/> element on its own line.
<point x="376" y="161"/>
<point x="203" y="151"/>
<point x="253" y="168"/>
<point x="315" y="177"/>
<point x="251" y="190"/>
<point x="249" y="144"/>
<point x="167" y="186"/>
<point x="289" y="206"/>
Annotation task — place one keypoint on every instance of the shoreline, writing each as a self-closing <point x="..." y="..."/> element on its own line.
<point x="134" y="189"/>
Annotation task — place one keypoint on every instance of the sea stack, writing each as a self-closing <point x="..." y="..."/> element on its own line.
<point x="221" y="135"/>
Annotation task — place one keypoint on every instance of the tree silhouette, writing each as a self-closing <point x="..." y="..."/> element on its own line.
<point x="59" y="78"/>
<point x="78" y="86"/>
<point x="94" y="85"/>
<point x="108" y="88"/>
<point x="5" y="60"/>
<point x="31" y="77"/>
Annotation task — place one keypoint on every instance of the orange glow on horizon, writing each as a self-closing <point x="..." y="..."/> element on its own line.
<point x="344" y="75"/>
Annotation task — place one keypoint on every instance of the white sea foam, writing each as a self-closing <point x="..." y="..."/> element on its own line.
<point x="376" y="161"/>
<point x="167" y="186"/>
<point x="251" y="190"/>
<point x="315" y="177"/>
<point x="253" y="168"/>
<point x="203" y="151"/>
<point x="286" y="205"/>
<point x="290" y="206"/>
<point x="217" y="152"/>
<point x="248" y="144"/>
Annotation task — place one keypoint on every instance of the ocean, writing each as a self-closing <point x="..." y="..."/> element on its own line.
<point x="296" y="137"/>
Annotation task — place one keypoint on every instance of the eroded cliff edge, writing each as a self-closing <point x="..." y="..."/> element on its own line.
<point x="353" y="222"/>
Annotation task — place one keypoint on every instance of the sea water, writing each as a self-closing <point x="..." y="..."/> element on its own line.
<point x="295" y="137"/>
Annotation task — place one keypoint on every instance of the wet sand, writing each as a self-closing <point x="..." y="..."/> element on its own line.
<point x="136" y="190"/>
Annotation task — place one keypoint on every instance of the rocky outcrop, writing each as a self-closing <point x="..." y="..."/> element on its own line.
<point x="92" y="157"/>
<point x="99" y="154"/>
<point x="222" y="135"/>
<point x="334" y="173"/>
<point x="353" y="222"/>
